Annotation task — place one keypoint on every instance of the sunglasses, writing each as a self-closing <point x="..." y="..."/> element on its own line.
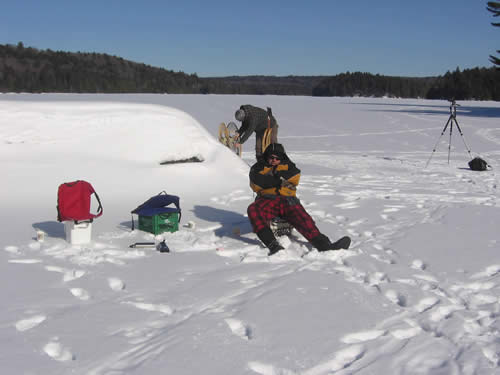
<point x="274" y="157"/>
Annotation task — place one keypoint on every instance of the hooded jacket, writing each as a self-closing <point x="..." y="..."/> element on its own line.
<point x="268" y="180"/>
<point x="256" y="120"/>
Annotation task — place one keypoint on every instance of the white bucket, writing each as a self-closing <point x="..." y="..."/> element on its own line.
<point x="77" y="234"/>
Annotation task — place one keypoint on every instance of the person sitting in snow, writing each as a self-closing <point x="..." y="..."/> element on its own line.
<point x="254" y="119"/>
<point x="275" y="180"/>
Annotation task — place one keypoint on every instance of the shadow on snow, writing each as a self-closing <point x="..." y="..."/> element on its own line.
<point x="228" y="220"/>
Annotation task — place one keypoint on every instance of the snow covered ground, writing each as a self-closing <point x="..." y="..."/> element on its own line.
<point x="417" y="293"/>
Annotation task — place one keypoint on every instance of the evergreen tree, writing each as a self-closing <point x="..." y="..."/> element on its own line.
<point x="31" y="70"/>
<point x="494" y="7"/>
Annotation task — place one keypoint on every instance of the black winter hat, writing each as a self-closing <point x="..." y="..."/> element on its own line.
<point x="275" y="149"/>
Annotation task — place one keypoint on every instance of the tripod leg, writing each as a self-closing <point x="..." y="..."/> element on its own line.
<point x="463" y="138"/>
<point x="435" y="146"/>
<point x="449" y="142"/>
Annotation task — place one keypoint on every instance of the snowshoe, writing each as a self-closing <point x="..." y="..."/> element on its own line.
<point x="281" y="227"/>
<point x="226" y="137"/>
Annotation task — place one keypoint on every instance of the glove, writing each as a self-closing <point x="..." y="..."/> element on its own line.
<point x="287" y="184"/>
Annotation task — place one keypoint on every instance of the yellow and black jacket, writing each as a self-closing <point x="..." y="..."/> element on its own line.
<point x="281" y="180"/>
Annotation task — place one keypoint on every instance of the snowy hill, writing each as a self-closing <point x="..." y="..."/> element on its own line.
<point x="417" y="293"/>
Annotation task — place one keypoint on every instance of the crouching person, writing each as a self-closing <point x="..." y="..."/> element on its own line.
<point x="275" y="178"/>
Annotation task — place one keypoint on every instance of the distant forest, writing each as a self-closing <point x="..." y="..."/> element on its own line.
<point x="27" y="69"/>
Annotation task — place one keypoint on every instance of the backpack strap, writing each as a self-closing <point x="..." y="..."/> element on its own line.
<point x="99" y="209"/>
<point x="175" y="201"/>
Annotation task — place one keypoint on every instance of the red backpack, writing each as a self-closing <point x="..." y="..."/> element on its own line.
<point x="73" y="202"/>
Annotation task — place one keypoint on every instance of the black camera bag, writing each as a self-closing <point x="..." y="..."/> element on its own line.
<point x="478" y="164"/>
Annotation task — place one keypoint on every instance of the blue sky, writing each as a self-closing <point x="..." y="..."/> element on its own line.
<point x="220" y="38"/>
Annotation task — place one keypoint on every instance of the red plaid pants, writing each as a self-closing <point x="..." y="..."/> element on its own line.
<point x="263" y="210"/>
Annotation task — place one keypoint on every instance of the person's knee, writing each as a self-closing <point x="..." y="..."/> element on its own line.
<point x="251" y="209"/>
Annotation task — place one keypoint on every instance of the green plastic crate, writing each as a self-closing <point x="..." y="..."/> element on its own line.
<point x="156" y="224"/>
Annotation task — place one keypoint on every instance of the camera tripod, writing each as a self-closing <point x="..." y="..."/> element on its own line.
<point x="452" y="119"/>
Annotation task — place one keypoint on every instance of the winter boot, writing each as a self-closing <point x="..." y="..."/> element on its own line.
<point x="268" y="239"/>
<point x="274" y="247"/>
<point x="342" y="243"/>
<point x="323" y="243"/>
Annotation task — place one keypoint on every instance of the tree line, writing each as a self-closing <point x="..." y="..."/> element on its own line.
<point x="469" y="84"/>
<point x="32" y="70"/>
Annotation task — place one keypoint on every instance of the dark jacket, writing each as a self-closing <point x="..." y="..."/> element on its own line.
<point x="255" y="121"/>
<point x="268" y="180"/>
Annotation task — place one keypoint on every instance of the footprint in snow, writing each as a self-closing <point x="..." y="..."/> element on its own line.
<point x="377" y="278"/>
<point x="492" y="270"/>
<point x="265" y="369"/>
<point x="56" y="351"/>
<point x="29" y="323"/>
<point x="492" y="354"/>
<point x="383" y="259"/>
<point x="384" y="249"/>
<point x="165" y="309"/>
<point x="12" y="249"/>
<point x="324" y="191"/>
<point x="418" y="264"/>
<point x="341" y="360"/>
<point x="80" y="293"/>
<point x="25" y="261"/>
<point x="353" y="233"/>
<point x="406" y="333"/>
<point x="239" y="328"/>
<point x="357" y="222"/>
<point x="387" y="217"/>
<point x="347" y="205"/>
<point x="358" y="337"/>
<point x="469" y="288"/>
<point x="396" y="298"/>
<point x="427" y="282"/>
<point x="353" y="275"/>
<point x="369" y="234"/>
<point x="238" y="195"/>
<point x="480" y="325"/>
<point x="390" y="209"/>
<point x="35" y="245"/>
<point x="406" y="281"/>
<point x="426" y="304"/>
<point x="341" y="219"/>
<point x="444" y="312"/>
<point x="116" y="284"/>
<point x="69" y="275"/>
<point x="478" y="300"/>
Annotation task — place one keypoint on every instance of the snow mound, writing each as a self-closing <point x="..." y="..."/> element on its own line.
<point x="93" y="130"/>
